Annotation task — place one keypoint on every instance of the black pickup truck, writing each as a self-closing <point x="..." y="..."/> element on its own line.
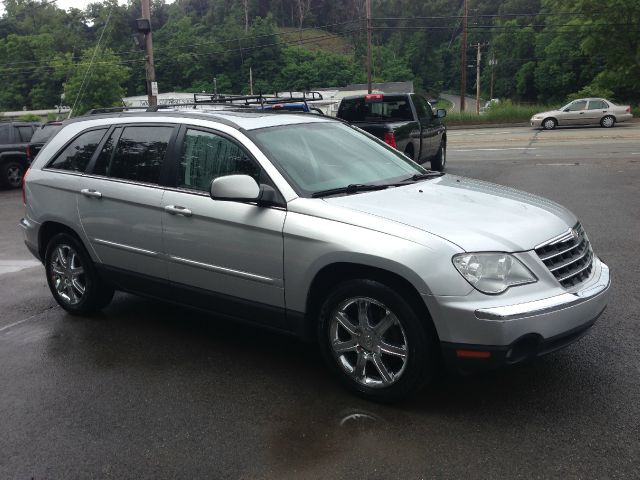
<point x="403" y="120"/>
<point x="14" y="137"/>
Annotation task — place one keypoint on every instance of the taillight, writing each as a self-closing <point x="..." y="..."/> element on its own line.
<point x="28" y="152"/>
<point x="24" y="193"/>
<point x="390" y="139"/>
<point x="628" y="110"/>
<point x="373" y="96"/>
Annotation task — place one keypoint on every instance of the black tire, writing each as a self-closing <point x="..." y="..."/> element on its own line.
<point x="439" y="162"/>
<point x="549" y="123"/>
<point x="65" y="284"/>
<point x="409" y="152"/>
<point x="608" y="121"/>
<point x="406" y="333"/>
<point x="11" y="173"/>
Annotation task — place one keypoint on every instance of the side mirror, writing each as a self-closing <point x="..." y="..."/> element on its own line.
<point x="238" y="188"/>
<point x="441" y="113"/>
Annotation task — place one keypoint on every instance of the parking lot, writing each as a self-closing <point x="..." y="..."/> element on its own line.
<point x="150" y="390"/>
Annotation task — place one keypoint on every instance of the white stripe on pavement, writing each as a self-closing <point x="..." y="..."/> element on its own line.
<point x="7" y="327"/>
<point x="493" y="149"/>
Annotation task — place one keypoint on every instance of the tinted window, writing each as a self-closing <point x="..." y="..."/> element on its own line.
<point x="78" y="153"/>
<point x="44" y="133"/>
<point x="390" y="108"/>
<point x="423" y="109"/>
<point x="597" y="105"/>
<point x="5" y="133"/>
<point x="140" y="154"/>
<point x="25" y="133"/>
<point x="206" y="156"/>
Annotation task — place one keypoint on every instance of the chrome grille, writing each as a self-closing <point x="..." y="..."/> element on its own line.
<point x="569" y="257"/>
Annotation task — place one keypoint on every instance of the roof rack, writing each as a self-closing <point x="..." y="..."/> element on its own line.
<point x="260" y="99"/>
<point x="97" y="111"/>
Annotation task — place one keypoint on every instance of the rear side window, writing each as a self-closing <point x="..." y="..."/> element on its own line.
<point x="138" y="156"/>
<point x="5" y="133"/>
<point x="206" y="156"/>
<point x="25" y="133"/>
<point x="597" y="105"/>
<point x="44" y="133"/>
<point x="75" y="157"/>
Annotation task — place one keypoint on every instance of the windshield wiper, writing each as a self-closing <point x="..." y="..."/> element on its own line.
<point x="423" y="176"/>
<point x="349" y="189"/>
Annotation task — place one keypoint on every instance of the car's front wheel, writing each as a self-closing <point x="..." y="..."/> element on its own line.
<point x="72" y="277"/>
<point x="374" y="341"/>
<point x="549" y="123"/>
<point x="439" y="162"/>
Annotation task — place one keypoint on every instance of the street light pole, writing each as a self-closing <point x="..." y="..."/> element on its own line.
<point x="152" y="85"/>
<point x="463" y="60"/>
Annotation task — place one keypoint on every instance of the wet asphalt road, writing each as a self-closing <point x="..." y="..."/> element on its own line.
<point x="148" y="390"/>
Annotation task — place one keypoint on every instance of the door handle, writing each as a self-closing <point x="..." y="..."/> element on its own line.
<point x="90" y="192"/>
<point x="178" y="210"/>
<point x="581" y="113"/>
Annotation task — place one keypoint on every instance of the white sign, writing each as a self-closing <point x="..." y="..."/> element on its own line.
<point x="154" y="89"/>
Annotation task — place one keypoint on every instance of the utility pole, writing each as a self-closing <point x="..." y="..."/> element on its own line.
<point x="478" y="55"/>
<point x="152" y="85"/>
<point x="463" y="59"/>
<point x="251" y="80"/>
<point x="493" y="62"/>
<point x="369" y="30"/>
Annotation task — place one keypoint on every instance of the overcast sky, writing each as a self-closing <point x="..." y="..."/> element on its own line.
<point x="66" y="4"/>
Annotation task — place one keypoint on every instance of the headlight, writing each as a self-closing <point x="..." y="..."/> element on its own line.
<point x="492" y="273"/>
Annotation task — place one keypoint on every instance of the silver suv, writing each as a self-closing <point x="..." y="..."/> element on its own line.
<point x="306" y="225"/>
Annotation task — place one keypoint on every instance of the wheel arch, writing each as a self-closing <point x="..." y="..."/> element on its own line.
<point x="51" y="228"/>
<point x="331" y="274"/>
<point x="551" y="117"/>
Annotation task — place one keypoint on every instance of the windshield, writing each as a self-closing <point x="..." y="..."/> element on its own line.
<point x="321" y="156"/>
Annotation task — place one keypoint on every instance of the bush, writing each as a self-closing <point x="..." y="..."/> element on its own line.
<point x="504" y="112"/>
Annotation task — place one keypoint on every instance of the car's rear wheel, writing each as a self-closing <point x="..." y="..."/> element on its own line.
<point x="11" y="173"/>
<point x="374" y="341"/>
<point x="72" y="277"/>
<point x="607" y="121"/>
<point x="439" y="162"/>
<point x="549" y="123"/>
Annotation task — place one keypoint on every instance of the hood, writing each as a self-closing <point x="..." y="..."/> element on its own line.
<point x="475" y="215"/>
<point x="550" y="113"/>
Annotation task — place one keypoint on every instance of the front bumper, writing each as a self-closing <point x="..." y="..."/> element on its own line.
<point x="508" y="334"/>
<point x="536" y="123"/>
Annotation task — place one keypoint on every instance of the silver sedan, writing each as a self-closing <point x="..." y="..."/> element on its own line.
<point x="584" y="111"/>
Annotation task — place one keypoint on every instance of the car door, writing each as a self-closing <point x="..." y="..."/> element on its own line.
<point x="596" y="110"/>
<point x="119" y="203"/>
<point x="574" y="114"/>
<point x="429" y="131"/>
<point x="222" y="255"/>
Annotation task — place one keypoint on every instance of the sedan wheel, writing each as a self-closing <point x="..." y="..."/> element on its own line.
<point x="608" y="121"/>
<point x="549" y="124"/>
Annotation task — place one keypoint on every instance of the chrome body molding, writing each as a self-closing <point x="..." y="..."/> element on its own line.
<point x="127" y="248"/>
<point x="546" y="305"/>
<point x="227" y="271"/>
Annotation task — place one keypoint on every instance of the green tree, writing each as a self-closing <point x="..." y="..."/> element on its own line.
<point x="92" y="84"/>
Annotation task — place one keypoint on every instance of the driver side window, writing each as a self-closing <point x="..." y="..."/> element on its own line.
<point x="206" y="156"/>
<point x="578" y="105"/>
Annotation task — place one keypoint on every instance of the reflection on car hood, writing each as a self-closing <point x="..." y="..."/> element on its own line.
<point x="547" y="114"/>
<point x="475" y="215"/>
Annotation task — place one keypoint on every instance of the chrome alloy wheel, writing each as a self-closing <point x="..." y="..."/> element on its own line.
<point x="608" y="121"/>
<point x="67" y="274"/>
<point x="14" y="175"/>
<point x="368" y="342"/>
